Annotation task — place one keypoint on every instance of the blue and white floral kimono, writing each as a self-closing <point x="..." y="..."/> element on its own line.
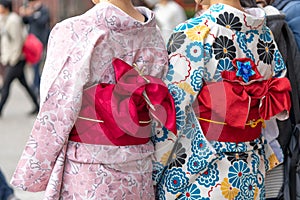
<point x="189" y="165"/>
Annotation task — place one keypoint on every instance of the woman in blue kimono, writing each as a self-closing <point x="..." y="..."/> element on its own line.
<point x="227" y="79"/>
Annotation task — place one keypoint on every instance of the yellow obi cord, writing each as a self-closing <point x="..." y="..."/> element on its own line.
<point x="252" y="123"/>
<point x="101" y="121"/>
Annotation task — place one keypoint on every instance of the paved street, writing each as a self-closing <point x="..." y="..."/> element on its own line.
<point x="15" y="126"/>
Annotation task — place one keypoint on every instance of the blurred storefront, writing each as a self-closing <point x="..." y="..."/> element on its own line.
<point x="61" y="9"/>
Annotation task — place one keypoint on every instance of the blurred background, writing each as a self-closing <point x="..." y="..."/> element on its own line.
<point x="62" y="9"/>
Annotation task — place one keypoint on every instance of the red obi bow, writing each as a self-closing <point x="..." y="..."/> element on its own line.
<point x="232" y="99"/>
<point x="122" y="106"/>
<point x="231" y="102"/>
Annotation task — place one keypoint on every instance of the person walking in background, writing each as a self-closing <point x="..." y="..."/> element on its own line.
<point x="36" y="15"/>
<point x="84" y="144"/>
<point x="168" y="14"/>
<point x="2" y="71"/>
<point x="291" y="9"/>
<point x="227" y="77"/>
<point x="12" y="38"/>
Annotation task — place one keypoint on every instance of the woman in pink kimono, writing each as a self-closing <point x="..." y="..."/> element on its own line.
<point x="91" y="137"/>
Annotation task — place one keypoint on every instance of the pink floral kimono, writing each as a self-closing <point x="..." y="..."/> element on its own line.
<point x="80" y="54"/>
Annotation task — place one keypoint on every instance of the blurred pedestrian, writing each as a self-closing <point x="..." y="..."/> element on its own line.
<point x="36" y="15"/>
<point x="168" y="15"/>
<point x="227" y="78"/>
<point x="2" y="71"/>
<point x="6" y="191"/>
<point x="84" y="144"/>
<point x="12" y="38"/>
<point x="291" y="9"/>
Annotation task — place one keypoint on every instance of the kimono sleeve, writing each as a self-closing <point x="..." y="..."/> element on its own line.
<point x="174" y="159"/>
<point x="60" y="103"/>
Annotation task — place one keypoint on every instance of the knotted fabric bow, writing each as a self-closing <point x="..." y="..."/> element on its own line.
<point x="242" y="91"/>
<point x="125" y="109"/>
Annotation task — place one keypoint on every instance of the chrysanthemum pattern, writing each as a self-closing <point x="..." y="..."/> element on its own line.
<point x="192" y="193"/>
<point x="213" y="169"/>
<point x="196" y="164"/>
<point x="197" y="79"/>
<point x="175" y="180"/>
<point x="178" y="157"/>
<point x="190" y="129"/>
<point x="224" y="47"/>
<point x="266" y="35"/>
<point x="175" y="41"/>
<point x="180" y="117"/>
<point x="194" y="51"/>
<point x="228" y="191"/>
<point x="223" y="65"/>
<point x="198" y="33"/>
<point x="237" y="173"/>
<point x="177" y="93"/>
<point x="229" y="20"/>
<point x="210" y="176"/>
<point x="200" y="147"/>
<point x="279" y="63"/>
<point x="265" y="51"/>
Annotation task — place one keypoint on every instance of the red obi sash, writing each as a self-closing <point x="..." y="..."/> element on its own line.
<point x="120" y="114"/>
<point x="232" y="111"/>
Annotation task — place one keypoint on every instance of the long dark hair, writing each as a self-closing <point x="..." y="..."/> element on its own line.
<point x="6" y="4"/>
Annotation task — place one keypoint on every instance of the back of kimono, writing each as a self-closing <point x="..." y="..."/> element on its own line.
<point x="80" y="55"/>
<point x="224" y="67"/>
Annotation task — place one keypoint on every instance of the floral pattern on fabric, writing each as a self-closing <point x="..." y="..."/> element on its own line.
<point x="194" y="51"/>
<point x="266" y="51"/>
<point x="223" y="65"/>
<point x="279" y="64"/>
<point x="80" y="53"/>
<point x="214" y="169"/>
<point x="198" y="33"/>
<point x="224" y="47"/>
<point x="175" y="42"/>
<point x="178" y="157"/>
<point x="229" y="20"/>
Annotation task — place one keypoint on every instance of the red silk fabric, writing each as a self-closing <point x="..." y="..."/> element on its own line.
<point x="122" y="108"/>
<point x="235" y="104"/>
